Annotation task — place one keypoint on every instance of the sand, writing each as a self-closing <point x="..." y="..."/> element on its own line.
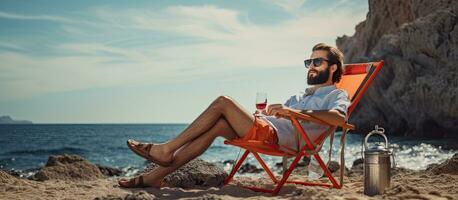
<point x="439" y="181"/>
<point x="405" y="185"/>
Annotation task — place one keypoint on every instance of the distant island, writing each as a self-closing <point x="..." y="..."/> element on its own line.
<point x="8" y="120"/>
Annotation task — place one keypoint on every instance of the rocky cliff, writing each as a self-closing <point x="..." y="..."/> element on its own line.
<point x="8" y="120"/>
<point x="416" y="93"/>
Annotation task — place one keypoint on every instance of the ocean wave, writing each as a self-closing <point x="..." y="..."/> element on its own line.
<point x="131" y="170"/>
<point x="419" y="156"/>
<point x="416" y="157"/>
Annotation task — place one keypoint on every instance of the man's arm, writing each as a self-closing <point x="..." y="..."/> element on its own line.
<point x="334" y="117"/>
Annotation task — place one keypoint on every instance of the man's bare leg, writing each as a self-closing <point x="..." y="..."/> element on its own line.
<point x="223" y="107"/>
<point x="190" y="151"/>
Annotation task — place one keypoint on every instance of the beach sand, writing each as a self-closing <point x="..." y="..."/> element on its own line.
<point x="405" y="184"/>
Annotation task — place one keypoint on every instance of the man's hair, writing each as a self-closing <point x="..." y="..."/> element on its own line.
<point x="335" y="56"/>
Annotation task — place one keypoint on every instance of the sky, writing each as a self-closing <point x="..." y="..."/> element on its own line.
<point x="157" y="61"/>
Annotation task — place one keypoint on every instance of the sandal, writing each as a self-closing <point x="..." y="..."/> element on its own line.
<point x="143" y="150"/>
<point x="136" y="182"/>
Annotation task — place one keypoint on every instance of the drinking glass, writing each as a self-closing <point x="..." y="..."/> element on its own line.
<point x="261" y="101"/>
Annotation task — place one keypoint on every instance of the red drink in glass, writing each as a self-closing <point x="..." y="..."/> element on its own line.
<point x="261" y="106"/>
<point x="261" y="101"/>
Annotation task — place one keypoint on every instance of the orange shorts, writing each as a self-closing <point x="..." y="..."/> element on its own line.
<point x="261" y="131"/>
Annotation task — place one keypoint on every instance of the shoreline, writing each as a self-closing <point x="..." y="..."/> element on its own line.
<point x="276" y="167"/>
<point x="131" y="169"/>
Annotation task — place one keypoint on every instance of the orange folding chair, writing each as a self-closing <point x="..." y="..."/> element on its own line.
<point x="355" y="80"/>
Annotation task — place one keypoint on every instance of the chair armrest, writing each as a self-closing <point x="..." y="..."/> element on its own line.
<point x="305" y="117"/>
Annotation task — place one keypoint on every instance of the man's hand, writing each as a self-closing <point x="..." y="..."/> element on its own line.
<point x="279" y="109"/>
<point x="263" y="112"/>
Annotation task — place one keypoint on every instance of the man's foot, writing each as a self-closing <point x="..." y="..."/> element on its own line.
<point x="138" y="182"/>
<point x="151" y="152"/>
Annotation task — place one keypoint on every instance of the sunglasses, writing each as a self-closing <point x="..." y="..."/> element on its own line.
<point x="316" y="62"/>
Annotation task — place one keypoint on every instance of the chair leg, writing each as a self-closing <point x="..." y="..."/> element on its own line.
<point x="236" y="167"/>
<point x="287" y="173"/>
<point x="263" y="164"/>
<point x="326" y="171"/>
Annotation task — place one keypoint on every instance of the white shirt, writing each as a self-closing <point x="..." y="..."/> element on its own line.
<point x="324" y="98"/>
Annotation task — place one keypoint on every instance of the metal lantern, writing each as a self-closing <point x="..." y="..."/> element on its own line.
<point x="377" y="164"/>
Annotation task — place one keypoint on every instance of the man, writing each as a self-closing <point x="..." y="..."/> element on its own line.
<point x="225" y="117"/>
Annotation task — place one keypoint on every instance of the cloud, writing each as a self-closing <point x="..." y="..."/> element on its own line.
<point x="227" y="38"/>
<point x="10" y="45"/>
<point x="35" y="17"/>
<point x="288" y="5"/>
<point x="142" y="46"/>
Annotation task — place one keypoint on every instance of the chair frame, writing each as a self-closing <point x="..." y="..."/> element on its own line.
<point x="371" y="69"/>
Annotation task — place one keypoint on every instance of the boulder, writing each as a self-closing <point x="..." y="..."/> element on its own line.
<point x="333" y="166"/>
<point x="27" y="173"/>
<point x="7" y="178"/>
<point x="357" y="162"/>
<point x="68" y="167"/>
<point x="195" y="174"/>
<point x="249" y="168"/>
<point x="415" y="93"/>
<point x="450" y="166"/>
<point x="231" y="162"/>
<point x="110" y="171"/>
<point x="303" y="163"/>
<point x="357" y="167"/>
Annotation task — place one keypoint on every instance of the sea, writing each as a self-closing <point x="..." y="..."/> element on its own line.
<point x="24" y="147"/>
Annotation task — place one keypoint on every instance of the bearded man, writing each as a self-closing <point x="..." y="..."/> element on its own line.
<point x="226" y="118"/>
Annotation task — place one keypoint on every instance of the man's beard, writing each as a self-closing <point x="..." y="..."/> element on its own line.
<point x="320" y="78"/>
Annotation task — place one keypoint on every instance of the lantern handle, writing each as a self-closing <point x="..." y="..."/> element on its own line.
<point x="376" y="131"/>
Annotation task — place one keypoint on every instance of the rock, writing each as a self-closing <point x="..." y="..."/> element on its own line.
<point x="110" y="171"/>
<point x="229" y="162"/>
<point x="357" y="162"/>
<point x="431" y="166"/>
<point x="7" y="178"/>
<point x="305" y="161"/>
<point x="249" y="168"/>
<point x="333" y="166"/>
<point x="449" y="166"/>
<point x="59" y="160"/>
<point x="416" y="91"/>
<point x="301" y="166"/>
<point x="68" y="167"/>
<point x="27" y="173"/>
<point x="357" y="167"/>
<point x="197" y="173"/>
<point x="109" y="197"/>
<point x="142" y="195"/>
<point x="15" y="173"/>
